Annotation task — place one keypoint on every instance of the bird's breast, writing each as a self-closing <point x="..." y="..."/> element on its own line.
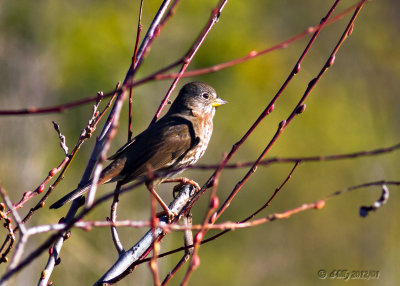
<point x="203" y="132"/>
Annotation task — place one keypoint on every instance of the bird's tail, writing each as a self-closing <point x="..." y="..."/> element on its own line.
<point x="71" y="196"/>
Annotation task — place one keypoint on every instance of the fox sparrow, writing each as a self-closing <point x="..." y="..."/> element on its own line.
<point x="177" y="140"/>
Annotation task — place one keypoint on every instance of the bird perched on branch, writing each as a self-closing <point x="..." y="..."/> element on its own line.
<point x="178" y="139"/>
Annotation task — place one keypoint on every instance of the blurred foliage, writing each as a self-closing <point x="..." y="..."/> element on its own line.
<point x="53" y="52"/>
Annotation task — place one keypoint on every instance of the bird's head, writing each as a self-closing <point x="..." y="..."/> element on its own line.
<point x="198" y="98"/>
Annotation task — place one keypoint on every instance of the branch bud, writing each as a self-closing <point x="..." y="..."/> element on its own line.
<point x="271" y="109"/>
<point x="198" y="237"/>
<point x="301" y="109"/>
<point x="213" y="217"/>
<point x="319" y="205"/>
<point x="195" y="261"/>
<point x="52" y="172"/>
<point x="282" y="124"/>
<point x="331" y="60"/>
<point x="350" y="30"/>
<point x="214" y="203"/>
<point x="253" y="53"/>
<point x="296" y="68"/>
<point x="41" y="188"/>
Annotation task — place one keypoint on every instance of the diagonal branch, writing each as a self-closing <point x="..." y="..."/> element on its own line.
<point x="159" y="75"/>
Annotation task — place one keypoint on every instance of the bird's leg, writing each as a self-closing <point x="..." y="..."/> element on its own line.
<point x="170" y="213"/>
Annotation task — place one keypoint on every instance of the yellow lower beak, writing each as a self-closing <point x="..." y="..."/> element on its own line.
<point x="218" y="101"/>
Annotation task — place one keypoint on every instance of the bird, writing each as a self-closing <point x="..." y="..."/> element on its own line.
<point x="175" y="141"/>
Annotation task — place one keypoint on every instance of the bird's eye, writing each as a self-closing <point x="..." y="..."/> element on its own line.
<point x="205" y="95"/>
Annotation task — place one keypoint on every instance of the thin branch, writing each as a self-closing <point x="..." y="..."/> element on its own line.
<point x="147" y="40"/>
<point x="88" y="225"/>
<point x="159" y="75"/>
<point x="23" y="238"/>
<point x="254" y="54"/>
<point x="277" y="190"/>
<point x="270" y="107"/>
<point x="63" y="166"/>
<point x="251" y="171"/>
<point x="182" y="197"/>
<point x="55" y="240"/>
<point x="113" y="218"/>
<point x="157" y="229"/>
<point x="213" y="205"/>
<point x="187" y="58"/>
<point x="59" y="238"/>
<point x="134" y="58"/>
<point x="365" y="210"/>
<point x="99" y="150"/>
<point x="188" y="241"/>
<point x="318" y="158"/>
<point x="228" y="226"/>
<point x="127" y="260"/>
<point x="300" y="107"/>
<point x="62" y="138"/>
<point x="105" y="144"/>
<point x="154" y="221"/>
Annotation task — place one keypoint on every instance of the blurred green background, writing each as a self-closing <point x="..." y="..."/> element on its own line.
<point x="54" y="52"/>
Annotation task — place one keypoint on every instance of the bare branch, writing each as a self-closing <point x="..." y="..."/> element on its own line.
<point x="113" y="219"/>
<point x="127" y="260"/>
<point x="318" y="158"/>
<point x="365" y="210"/>
<point x="62" y="138"/>
<point x="187" y="58"/>
<point x="159" y="75"/>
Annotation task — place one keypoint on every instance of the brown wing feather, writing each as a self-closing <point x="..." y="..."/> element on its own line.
<point x="159" y="146"/>
<point x="120" y="150"/>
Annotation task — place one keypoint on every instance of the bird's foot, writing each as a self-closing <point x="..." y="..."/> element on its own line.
<point x="182" y="181"/>
<point x="167" y="211"/>
<point x="171" y="214"/>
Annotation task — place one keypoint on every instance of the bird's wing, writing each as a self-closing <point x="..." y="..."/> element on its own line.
<point x="158" y="147"/>
<point x="119" y="151"/>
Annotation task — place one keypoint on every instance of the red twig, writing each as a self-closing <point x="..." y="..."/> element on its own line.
<point x="277" y="190"/>
<point x="253" y="54"/>
<point x="151" y="34"/>
<point x="23" y="237"/>
<point x="85" y="134"/>
<point x="214" y="179"/>
<point x="213" y="205"/>
<point x="159" y="75"/>
<point x="319" y="158"/>
<point x="102" y="140"/>
<point x="187" y="58"/>
<point x="139" y="29"/>
<point x="300" y="107"/>
<point x="156" y="245"/>
<point x="188" y="241"/>
<point x="267" y="110"/>
<point x="228" y="226"/>
<point x="30" y="194"/>
<point x="58" y="238"/>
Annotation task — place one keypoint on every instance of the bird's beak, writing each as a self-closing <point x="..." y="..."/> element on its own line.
<point x="217" y="102"/>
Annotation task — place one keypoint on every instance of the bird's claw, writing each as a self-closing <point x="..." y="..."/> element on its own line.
<point x="169" y="213"/>
<point x="182" y="181"/>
